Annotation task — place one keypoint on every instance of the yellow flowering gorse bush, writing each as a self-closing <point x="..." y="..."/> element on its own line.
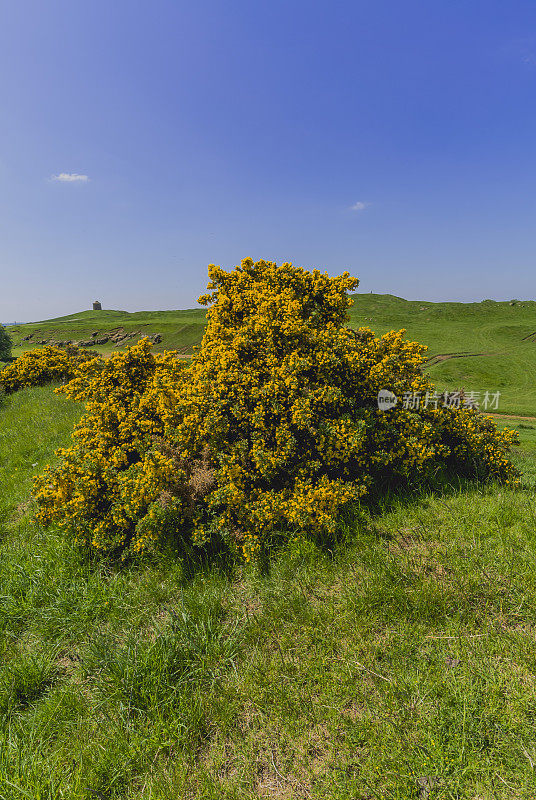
<point x="110" y="483"/>
<point x="274" y="425"/>
<point x="41" y="366"/>
<point x="285" y="397"/>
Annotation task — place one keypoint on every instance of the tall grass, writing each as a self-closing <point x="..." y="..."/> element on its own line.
<point x="400" y="665"/>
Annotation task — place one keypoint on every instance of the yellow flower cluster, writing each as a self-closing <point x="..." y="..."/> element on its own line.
<point x="119" y="485"/>
<point x="273" y="426"/>
<point x="41" y="366"/>
<point x="284" y="396"/>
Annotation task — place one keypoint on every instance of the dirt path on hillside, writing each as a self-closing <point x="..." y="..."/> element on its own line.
<point x="446" y="356"/>
<point x="508" y="416"/>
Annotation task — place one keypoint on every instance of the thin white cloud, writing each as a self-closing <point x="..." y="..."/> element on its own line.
<point x="521" y="49"/>
<point x="359" y="206"/>
<point x="70" y="177"/>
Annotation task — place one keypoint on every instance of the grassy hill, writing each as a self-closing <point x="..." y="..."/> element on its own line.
<point x="480" y="346"/>
<point x="179" y="329"/>
<point x="399" y="663"/>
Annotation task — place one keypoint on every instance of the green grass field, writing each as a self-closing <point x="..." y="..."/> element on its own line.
<point x="179" y="329"/>
<point x="398" y="665"/>
<point x="482" y="347"/>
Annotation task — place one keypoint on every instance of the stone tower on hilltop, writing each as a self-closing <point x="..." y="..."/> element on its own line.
<point x="97" y="306"/>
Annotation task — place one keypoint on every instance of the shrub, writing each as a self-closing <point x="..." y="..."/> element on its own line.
<point x="284" y="396"/>
<point x="273" y="427"/>
<point x="119" y="480"/>
<point x="41" y="366"/>
<point x="5" y="344"/>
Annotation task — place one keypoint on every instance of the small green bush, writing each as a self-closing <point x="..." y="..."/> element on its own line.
<point x="5" y="344"/>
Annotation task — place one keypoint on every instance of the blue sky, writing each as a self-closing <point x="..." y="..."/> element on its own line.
<point x="392" y="138"/>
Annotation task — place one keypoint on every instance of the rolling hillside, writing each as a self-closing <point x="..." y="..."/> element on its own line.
<point x="487" y="346"/>
<point x="479" y="346"/>
<point x="179" y="330"/>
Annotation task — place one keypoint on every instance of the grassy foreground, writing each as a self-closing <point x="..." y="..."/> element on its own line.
<point x="401" y="665"/>
<point x="486" y="346"/>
